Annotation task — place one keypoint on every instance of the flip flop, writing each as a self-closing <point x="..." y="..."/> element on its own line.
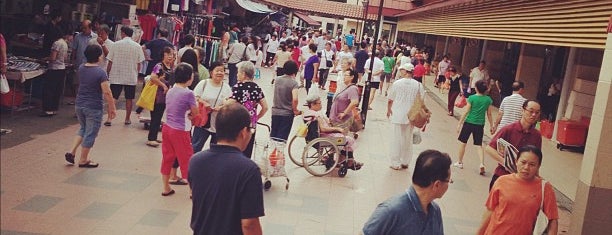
<point x="127" y="122"/>
<point x="178" y="181"/>
<point x="168" y="193"/>
<point x="107" y="123"/>
<point x="69" y="158"/>
<point x="89" y="164"/>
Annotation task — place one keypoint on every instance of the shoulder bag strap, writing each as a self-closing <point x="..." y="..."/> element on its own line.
<point x="204" y="87"/>
<point x="217" y="99"/>
<point x="335" y="97"/>
<point x="542" y="201"/>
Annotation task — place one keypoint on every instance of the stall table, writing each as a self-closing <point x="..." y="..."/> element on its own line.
<point x="22" y="76"/>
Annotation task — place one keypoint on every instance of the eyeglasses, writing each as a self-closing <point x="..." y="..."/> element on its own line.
<point x="533" y="112"/>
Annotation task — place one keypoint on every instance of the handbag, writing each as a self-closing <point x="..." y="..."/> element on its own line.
<point x="461" y="102"/>
<point x="4" y="86"/>
<point x="419" y="114"/>
<point x="202" y="118"/>
<point x="541" y="225"/>
<point x="147" y="96"/>
<point x="357" y="124"/>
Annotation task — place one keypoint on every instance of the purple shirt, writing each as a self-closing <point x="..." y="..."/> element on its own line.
<point x="178" y="102"/>
<point x="309" y="69"/>
<point x="342" y="101"/>
<point x="161" y="70"/>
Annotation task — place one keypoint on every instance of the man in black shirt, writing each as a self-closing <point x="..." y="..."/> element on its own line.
<point x="227" y="190"/>
<point x="361" y="57"/>
<point x="157" y="46"/>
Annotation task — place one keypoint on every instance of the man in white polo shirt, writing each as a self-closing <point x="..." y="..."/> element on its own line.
<point x="477" y="74"/>
<point x="124" y="59"/>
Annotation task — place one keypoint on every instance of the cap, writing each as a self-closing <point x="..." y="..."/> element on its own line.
<point x="407" y="66"/>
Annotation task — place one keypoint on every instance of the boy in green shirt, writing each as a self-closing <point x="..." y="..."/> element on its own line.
<point x="472" y="123"/>
<point x="388" y="72"/>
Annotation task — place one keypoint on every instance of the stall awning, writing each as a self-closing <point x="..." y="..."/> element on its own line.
<point x="307" y="19"/>
<point x="254" y="6"/>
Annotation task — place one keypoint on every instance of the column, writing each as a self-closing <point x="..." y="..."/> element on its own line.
<point x="529" y="69"/>
<point x="484" y="49"/>
<point x="335" y="32"/>
<point x="591" y="210"/>
<point x="446" y="45"/>
<point x="568" y="81"/>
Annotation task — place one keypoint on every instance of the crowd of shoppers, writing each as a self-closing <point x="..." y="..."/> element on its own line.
<point x="226" y="186"/>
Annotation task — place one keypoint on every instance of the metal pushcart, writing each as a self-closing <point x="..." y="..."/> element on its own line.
<point x="269" y="154"/>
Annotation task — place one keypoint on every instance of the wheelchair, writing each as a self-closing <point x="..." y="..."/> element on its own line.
<point x="318" y="155"/>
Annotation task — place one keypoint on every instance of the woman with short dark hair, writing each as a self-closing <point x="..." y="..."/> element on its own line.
<point x="514" y="201"/>
<point x="94" y="88"/>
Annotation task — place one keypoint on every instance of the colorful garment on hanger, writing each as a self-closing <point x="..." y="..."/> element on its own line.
<point x="148" y="23"/>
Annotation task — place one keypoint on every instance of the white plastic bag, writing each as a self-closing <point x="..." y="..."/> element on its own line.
<point x="314" y="90"/>
<point x="4" y="86"/>
<point x="416" y="136"/>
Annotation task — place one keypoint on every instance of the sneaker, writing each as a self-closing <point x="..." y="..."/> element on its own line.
<point x="458" y="165"/>
<point x="152" y="143"/>
<point x="482" y="169"/>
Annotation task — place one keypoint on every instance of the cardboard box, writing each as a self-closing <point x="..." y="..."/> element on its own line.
<point x="577" y="113"/>
<point x="584" y="86"/>
<point x="581" y="99"/>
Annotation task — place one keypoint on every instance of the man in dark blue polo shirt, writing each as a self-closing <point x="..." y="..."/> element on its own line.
<point x="414" y="212"/>
<point x="226" y="186"/>
<point x="361" y="57"/>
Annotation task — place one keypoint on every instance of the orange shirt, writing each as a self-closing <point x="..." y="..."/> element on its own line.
<point x="515" y="204"/>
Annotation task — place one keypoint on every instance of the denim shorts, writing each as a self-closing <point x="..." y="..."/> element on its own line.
<point x="90" y="120"/>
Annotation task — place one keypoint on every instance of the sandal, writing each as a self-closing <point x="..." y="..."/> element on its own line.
<point x="355" y="165"/>
<point x="178" y="181"/>
<point x="168" y="193"/>
<point x="107" y="123"/>
<point x="69" y="158"/>
<point x="127" y="122"/>
<point x="89" y="164"/>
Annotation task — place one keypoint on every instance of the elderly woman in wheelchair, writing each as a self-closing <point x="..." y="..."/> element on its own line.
<point x="320" y="126"/>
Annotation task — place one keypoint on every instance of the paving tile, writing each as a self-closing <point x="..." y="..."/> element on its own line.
<point x="38" y="204"/>
<point x="8" y="232"/>
<point x="108" y="179"/>
<point x="158" y="218"/>
<point x="271" y="228"/>
<point x="98" y="210"/>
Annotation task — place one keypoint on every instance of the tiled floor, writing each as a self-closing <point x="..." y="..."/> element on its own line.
<point x="43" y="195"/>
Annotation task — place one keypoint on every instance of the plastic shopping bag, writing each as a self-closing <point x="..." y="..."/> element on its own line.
<point x="147" y="96"/>
<point x="460" y="102"/>
<point x="4" y="86"/>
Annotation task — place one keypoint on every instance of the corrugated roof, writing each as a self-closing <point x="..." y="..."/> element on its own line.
<point x="306" y="18"/>
<point x="324" y="8"/>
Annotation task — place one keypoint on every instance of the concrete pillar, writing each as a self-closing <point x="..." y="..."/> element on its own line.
<point x="454" y="48"/>
<point x="335" y="32"/>
<point x="446" y="45"/>
<point x="494" y="56"/>
<point x="529" y="70"/>
<point x="484" y="49"/>
<point x="592" y="209"/>
<point x="471" y="55"/>
<point x="568" y="81"/>
<point x="440" y="46"/>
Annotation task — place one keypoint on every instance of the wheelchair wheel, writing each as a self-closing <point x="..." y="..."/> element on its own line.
<point x="343" y="170"/>
<point x="320" y="156"/>
<point x="295" y="149"/>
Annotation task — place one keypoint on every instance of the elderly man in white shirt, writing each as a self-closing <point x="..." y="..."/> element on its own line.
<point x="377" y="70"/>
<point x="104" y="42"/>
<point x="402" y="96"/>
<point x="124" y="59"/>
<point x="477" y="74"/>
